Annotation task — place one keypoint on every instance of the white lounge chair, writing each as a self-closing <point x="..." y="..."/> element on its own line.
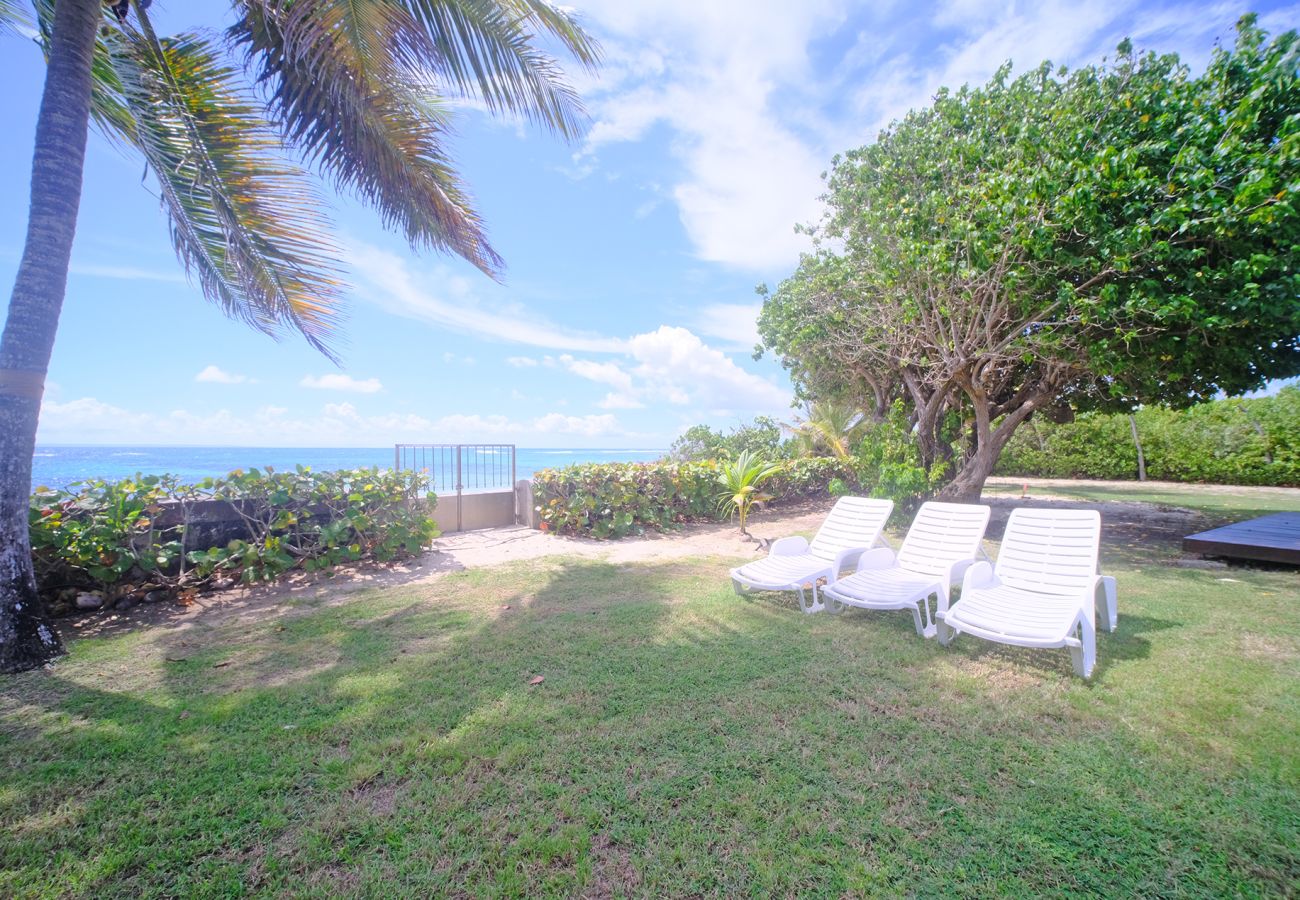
<point x="792" y="564"/>
<point x="1043" y="591"/>
<point x="943" y="542"/>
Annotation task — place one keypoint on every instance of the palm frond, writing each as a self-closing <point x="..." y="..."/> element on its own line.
<point x="348" y="84"/>
<point x="14" y="18"/>
<point x="245" y="222"/>
<point x="487" y="49"/>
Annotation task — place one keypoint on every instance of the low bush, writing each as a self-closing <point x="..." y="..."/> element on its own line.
<point x="1233" y="441"/>
<point x="611" y="500"/>
<point x="146" y="534"/>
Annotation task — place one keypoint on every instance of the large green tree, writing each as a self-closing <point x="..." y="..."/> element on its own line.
<point x="1126" y="233"/>
<point x="357" y="90"/>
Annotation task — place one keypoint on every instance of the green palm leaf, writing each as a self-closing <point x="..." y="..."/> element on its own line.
<point x="345" y="85"/>
<point x="14" y="18"/>
<point x="740" y="479"/>
<point x="245" y="222"/>
<point x="485" y="48"/>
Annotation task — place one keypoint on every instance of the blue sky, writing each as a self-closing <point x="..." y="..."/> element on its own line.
<point x="627" y="310"/>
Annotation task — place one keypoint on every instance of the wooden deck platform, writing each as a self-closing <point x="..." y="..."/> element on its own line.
<point x="1274" y="538"/>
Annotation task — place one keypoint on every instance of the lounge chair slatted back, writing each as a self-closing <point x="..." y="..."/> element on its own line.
<point x="853" y="522"/>
<point x="1050" y="551"/>
<point x="941" y="534"/>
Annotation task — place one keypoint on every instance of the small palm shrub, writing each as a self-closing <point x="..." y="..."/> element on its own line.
<point x="741" y="479"/>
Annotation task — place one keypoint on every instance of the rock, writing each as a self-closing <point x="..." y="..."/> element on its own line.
<point x="155" y="596"/>
<point x="90" y="601"/>
<point x="126" y="601"/>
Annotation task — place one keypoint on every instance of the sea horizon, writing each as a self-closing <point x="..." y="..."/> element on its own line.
<point x="60" y="465"/>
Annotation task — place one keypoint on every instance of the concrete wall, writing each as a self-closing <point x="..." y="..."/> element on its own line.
<point x="490" y="509"/>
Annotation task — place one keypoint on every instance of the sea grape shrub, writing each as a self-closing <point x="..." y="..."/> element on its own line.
<point x="106" y="537"/>
<point x="1233" y="441"/>
<point x="103" y="532"/>
<point x="809" y="478"/>
<point x="613" y="500"/>
<point x="317" y="520"/>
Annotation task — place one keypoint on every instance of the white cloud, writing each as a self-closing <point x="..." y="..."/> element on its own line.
<point x="335" y="381"/>
<point x="217" y="375"/>
<point x="388" y="282"/>
<point x="754" y="104"/>
<point x="89" y="420"/>
<point x="672" y="366"/>
<point x="602" y="373"/>
<point x="711" y="72"/>
<point x="619" y="401"/>
<point x="521" y="362"/>
<point x="735" y="323"/>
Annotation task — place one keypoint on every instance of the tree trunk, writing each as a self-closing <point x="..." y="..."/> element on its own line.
<point x="1137" y="442"/>
<point x="988" y="441"/>
<point x="27" y="639"/>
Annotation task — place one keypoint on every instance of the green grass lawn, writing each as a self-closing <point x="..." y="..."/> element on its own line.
<point x="684" y="741"/>
<point x="1239" y="503"/>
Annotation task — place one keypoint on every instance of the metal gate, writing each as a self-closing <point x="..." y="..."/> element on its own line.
<point x="475" y="474"/>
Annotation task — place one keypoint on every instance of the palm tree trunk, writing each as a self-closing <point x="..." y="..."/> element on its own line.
<point x="27" y="639"/>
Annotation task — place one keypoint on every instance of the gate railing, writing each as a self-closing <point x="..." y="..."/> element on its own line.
<point x="460" y="468"/>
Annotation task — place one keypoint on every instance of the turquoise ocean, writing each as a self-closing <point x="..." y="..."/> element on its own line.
<point x="58" y="466"/>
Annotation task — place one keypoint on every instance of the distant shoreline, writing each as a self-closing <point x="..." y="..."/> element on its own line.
<point x="59" y="465"/>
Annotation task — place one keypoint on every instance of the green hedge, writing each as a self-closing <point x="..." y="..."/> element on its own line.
<point x="153" y="535"/>
<point x="1234" y="441"/>
<point x="610" y="500"/>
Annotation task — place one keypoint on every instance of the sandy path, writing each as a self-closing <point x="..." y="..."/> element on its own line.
<point x="473" y="549"/>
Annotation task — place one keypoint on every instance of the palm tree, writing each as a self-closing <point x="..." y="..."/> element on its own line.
<point x="740" y="479"/>
<point x="830" y="425"/>
<point x="357" y="89"/>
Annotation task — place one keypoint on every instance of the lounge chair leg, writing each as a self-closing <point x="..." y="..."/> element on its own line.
<point x="1084" y="656"/>
<point x="916" y="620"/>
<point x="814" y="606"/>
<point x="831" y="605"/>
<point x="944" y="632"/>
<point x="738" y="588"/>
<point x="1112" y="606"/>
<point x="928" y="630"/>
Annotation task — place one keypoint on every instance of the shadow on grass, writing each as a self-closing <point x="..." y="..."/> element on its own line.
<point x="682" y="740"/>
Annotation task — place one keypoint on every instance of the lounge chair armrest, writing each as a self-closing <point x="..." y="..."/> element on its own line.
<point x="789" y="546"/>
<point x="957" y="571"/>
<point x="845" y="558"/>
<point x="979" y="575"/>
<point x="876" y="558"/>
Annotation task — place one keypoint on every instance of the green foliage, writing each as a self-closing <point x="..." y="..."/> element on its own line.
<point x="700" y="442"/>
<point x="740" y="479"/>
<point x="1123" y="234"/>
<point x="830" y="427"/>
<point x="106" y="536"/>
<point x="613" y="500"/>
<point x="1231" y="441"/>
<point x="889" y="460"/>
<point x="102" y="531"/>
